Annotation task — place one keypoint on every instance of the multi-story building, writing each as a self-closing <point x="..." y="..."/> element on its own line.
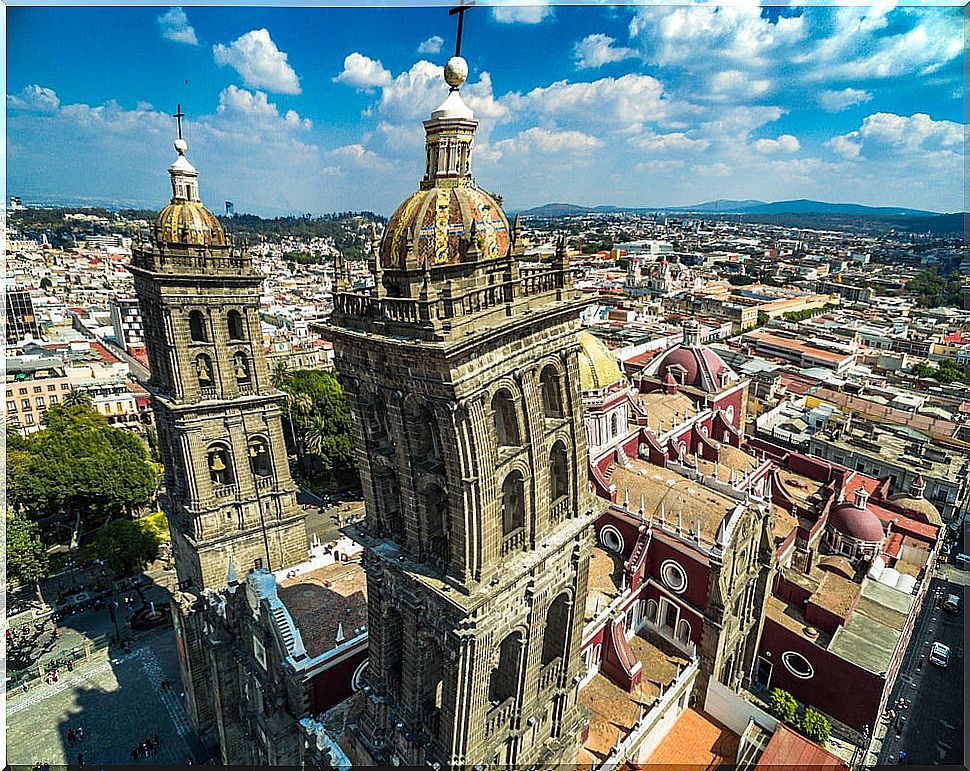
<point x="34" y="384"/>
<point x="126" y="321"/>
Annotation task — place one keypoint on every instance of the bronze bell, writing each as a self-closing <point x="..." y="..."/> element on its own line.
<point x="241" y="373"/>
<point x="216" y="463"/>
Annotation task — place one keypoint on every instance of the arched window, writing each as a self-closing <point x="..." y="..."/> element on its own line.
<point x="556" y="632"/>
<point x="389" y="505"/>
<point x="374" y="412"/>
<point x="506" y="421"/>
<point x="393" y="649"/>
<point x="559" y="472"/>
<point x="432" y="674"/>
<point x="652" y="611"/>
<point x="504" y="679"/>
<point x="425" y="442"/>
<point x="436" y="513"/>
<point x="197" y="327"/>
<point x="551" y="394"/>
<point x="513" y="503"/>
<point x="203" y="370"/>
<point x="220" y="464"/>
<point x="234" y="321"/>
<point x="259" y="458"/>
<point x="240" y="367"/>
<point x="683" y="632"/>
<point x="614" y="425"/>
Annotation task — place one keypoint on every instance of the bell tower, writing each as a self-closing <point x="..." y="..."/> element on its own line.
<point x="228" y="495"/>
<point x="462" y="372"/>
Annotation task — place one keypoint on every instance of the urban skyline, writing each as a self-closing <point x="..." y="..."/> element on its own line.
<point x="319" y="109"/>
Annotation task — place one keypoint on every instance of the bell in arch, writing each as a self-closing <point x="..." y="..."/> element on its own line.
<point x="204" y="375"/>
<point x="216" y="463"/>
<point x="241" y="373"/>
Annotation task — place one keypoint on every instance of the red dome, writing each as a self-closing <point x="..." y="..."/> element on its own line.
<point x="703" y="368"/>
<point x="680" y="357"/>
<point x="857" y="523"/>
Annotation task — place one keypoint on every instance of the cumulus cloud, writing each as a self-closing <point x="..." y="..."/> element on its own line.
<point x="598" y="49"/>
<point x="913" y="137"/>
<point x="676" y="142"/>
<point x="786" y="143"/>
<point x="548" y="141"/>
<point x="836" y="101"/>
<point x="259" y="62"/>
<point x="357" y="156"/>
<point x="846" y="147"/>
<point x="174" y="25"/>
<point x="516" y="12"/>
<point x="249" y="104"/>
<point x="432" y="45"/>
<point x="363" y="73"/>
<point x="35" y="99"/>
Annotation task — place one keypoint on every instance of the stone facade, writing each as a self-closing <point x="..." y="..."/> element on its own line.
<point x="228" y="493"/>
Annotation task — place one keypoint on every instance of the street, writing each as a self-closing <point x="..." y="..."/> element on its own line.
<point x="932" y="696"/>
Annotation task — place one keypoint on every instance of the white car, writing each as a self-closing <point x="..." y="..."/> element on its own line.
<point x="939" y="654"/>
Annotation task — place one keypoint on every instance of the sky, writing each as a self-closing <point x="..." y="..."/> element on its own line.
<point x="292" y="110"/>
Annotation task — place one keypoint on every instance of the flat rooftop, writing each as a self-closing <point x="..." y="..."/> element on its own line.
<point x="696" y="741"/>
<point x="664" y="411"/>
<point x="605" y="571"/>
<point x="322" y="600"/>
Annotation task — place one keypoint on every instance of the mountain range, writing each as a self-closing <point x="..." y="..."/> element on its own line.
<point x="798" y="206"/>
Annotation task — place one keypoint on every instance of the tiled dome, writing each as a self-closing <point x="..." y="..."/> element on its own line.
<point x="856" y="522"/>
<point x="598" y="367"/>
<point x="188" y="223"/>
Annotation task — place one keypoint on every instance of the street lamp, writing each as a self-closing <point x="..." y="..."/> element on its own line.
<point x="113" y="612"/>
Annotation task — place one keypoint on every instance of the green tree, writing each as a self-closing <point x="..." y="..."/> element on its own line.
<point x="46" y="283"/>
<point x="763" y="318"/>
<point x="26" y="557"/>
<point x="921" y="369"/>
<point x="76" y="397"/>
<point x="816" y="726"/>
<point x="126" y="546"/>
<point x="949" y="372"/>
<point x="783" y="706"/>
<point x="79" y="471"/>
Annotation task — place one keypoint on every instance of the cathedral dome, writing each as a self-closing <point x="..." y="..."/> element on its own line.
<point x="919" y="505"/>
<point x="450" y="219"/>
<point x="856" y="520"/>
<point x="598" y="368"/>
<point x="692" y="364"/>
<point x="437" y="226"/>
<point x="186" y="221"/>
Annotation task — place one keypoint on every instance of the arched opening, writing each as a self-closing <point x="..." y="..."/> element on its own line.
<point x="374" y="413"/>
<point x="614" y="425"/>
<point x="259" y="458"/>
<point x="513" y="503"/>
<point x="234" y="321"/>
<point x="556" y="632"/>
<point x="551" y="394"/>
<point x="683" y="632"/>
<point x="425" y="442"/>
<point x="197" y="327"/>
<point x="504" y="679"/>
<point x="652" y="611"/>
<point x="432" y="677"/>
<point x="389" y="505"/>
<point x="392" y="643"/>
<point x="559" y="472"/>
<point x="203" y="370"/>
<point x="220" y="464"/>
<point x="506" y="421"/>
<point x="436" y="513"/>
<point x="240" y="367"/>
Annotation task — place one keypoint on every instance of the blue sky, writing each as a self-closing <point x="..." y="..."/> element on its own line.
<point x="320" y="109"/>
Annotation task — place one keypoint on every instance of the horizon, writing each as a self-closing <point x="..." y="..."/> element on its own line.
<point x="295" y="110"/>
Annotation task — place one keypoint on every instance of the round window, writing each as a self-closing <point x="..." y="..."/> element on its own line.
<point x="674" y="576"/>
<point x="611" y="539"/>
<point x="357" y="681"/>
<point x="797" y="664"/>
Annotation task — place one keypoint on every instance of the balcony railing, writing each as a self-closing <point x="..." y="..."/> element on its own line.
<point x="500" y="716"/>
<point x="513" y="542"/>
<point x="549" y="673"/>
<point x="264" y="482"/>
<point x="560" y="509"/>
<point x="224" y="491"/>
<point x="207" y="392"/>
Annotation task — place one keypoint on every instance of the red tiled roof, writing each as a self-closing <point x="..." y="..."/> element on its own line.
<point x="696" y="740"/>
<point x="796" y="753"/>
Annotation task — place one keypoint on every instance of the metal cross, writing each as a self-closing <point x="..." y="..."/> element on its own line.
<point x="460" y="10"/>
<point x="178" y="117"/>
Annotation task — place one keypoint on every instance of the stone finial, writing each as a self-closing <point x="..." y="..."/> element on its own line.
<point x="643" y="506"/>
<point x="340" y="633"/>
<point x="626" y="498"/>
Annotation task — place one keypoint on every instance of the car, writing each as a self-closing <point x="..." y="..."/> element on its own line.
<point x="939" y="654"/>
<point x="952" y="603"/>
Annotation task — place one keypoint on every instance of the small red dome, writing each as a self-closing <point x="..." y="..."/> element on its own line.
<point x="857" y="523"/>
<point x="681" y="357"/>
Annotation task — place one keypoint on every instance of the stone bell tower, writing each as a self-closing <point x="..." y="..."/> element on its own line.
<point x="229" y="497"/>
<point x="462" y="373"/>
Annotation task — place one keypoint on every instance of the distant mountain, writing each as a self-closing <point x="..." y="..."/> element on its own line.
<point x="799" y="206"/>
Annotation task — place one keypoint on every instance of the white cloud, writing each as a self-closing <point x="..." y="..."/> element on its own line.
<point x="259" y="62"/>
<point x="913" y="136"/>
<point x="175" y="26"/>
<point x="542" y="140"/>
<point x="432" y="45"/>
<point x="836" y="101"/>
<point x="660" y="165"/>
<point x="363" y="73"/>
<point x="598" y="49"/>
<point x="358" y="157"/>
<point x="241" y="103"/>
<point x="676" y="142"/>
<point x="845" y="146"/>
<point x="711" y="169"/>
<point x="515" y="12"/>
<point x="786" y="143"/>
<point x="35" y="99"/>
<point x="735" y="85"/>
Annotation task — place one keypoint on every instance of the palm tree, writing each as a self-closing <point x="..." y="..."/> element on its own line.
<point x="315" y="436"/>
<point x="76" y="397"/>
<point x="281" y="376"/>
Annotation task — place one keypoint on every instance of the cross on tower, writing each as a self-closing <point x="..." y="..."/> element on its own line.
<point x="178" y="118"/>
<point x="460" y="10"/>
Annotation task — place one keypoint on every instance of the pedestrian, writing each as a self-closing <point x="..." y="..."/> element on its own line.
<point x="79" y="733"/>
<point x="70" y="737"/>
<point x="26" y="686"/>
<point x="55" y="675"/>
<point x="156" y="741"/>
<point x="80" y="759"/>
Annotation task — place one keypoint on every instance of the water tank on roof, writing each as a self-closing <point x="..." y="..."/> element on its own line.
<point x="889" y="577"/>
<point x="878" y="565"/>
<point x="906" y="583"/>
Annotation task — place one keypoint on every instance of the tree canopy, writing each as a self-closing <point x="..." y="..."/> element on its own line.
<point x="26" y="557"/>
<point x="127" y="546"/>
<point x="79" y="471"/>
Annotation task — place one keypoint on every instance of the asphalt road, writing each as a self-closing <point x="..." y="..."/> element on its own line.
<point x="933" y="730"/>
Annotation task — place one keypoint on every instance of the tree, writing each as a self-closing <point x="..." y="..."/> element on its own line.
<point x="949" y="372"/>
<point x="46" y="283"/>
<point x="921" y="369"/>
<point x="816" y="726"/>
<point x="76" y="397"/>
<point x="79" y="470"/>
<point x="26" y="557"/>
<point x="126" y="546"/>
<point x="783" y="706"/>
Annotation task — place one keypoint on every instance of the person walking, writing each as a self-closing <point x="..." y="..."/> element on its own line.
<point x="70" y="737"/>
<point x="79" y="733"/>
<point x="80" y="759"/>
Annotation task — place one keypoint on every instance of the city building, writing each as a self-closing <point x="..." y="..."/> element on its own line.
<point x="126" y="322"/>
<point x="34" y="384"/>
<point x="21" y="321"/>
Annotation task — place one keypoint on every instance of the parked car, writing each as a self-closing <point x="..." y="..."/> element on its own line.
<point x="952" y="603"/>
<point x="939" y="654"/>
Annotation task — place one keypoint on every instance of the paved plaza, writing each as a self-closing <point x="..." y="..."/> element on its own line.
<point x="117" y="700"/>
